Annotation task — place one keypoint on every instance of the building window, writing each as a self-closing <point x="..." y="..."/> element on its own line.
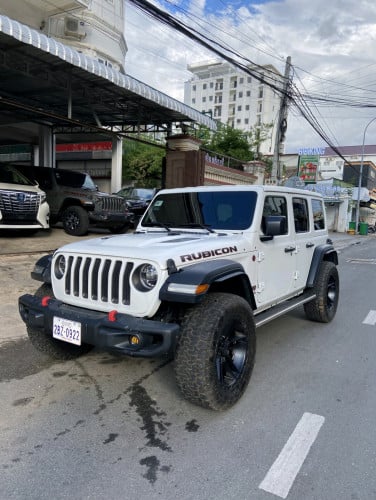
<point x="239" y="108"/>
<point x="238" y="121"/>
<point x="248" y="94"/>
<point x="204" y="86"/>
<point x="240" y="94"/>
<point x="246" y="121"/>
<point x="210" y="98"/>
<point x="211" y="85"/>
<point x="247" y="107"/>
<point x="249" y="79"/>
<point x="193" y="101"/>
<point x="261" y="93"/>
<point x="241" y="80"/>
<point x="194" y="88"/>
<point x="259" y="107"/>
<point x="204" y="99"/>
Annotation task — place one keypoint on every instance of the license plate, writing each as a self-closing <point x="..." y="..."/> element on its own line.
<point x="67" y="330"/>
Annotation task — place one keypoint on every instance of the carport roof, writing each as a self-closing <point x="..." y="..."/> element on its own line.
<point x="44" y="81"/>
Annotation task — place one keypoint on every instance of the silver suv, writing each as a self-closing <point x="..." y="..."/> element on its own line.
<point x="23" y="204"/>
<point x="205" y="267"/>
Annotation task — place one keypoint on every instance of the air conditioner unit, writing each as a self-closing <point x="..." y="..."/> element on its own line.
<point x="74" y="27"/>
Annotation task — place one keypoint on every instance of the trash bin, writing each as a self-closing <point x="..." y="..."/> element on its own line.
<point x="352" y="225"/>
<point x="363" y="228"/>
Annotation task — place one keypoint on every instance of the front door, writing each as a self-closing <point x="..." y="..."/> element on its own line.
<point x="277" y="257"/>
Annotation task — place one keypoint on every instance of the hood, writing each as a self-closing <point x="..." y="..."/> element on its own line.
<point x="184" y="248"/>
<point x="21" y="187"/>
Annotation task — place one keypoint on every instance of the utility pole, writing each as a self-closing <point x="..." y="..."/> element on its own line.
<point x="281" y="124"/>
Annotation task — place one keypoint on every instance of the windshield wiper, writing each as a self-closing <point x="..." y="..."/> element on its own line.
<point x="198" y="225"/>
<point x="157" y="224"/>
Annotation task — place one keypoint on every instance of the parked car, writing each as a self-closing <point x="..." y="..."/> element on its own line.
<point x="23" y="204"/>
<point x="137" y="199"/>
<point x="75" y="201"/>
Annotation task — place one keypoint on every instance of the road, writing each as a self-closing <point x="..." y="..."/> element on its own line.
<point x="111" y="427"/>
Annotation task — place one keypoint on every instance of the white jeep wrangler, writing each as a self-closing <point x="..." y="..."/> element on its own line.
<point x="204" y="268"/>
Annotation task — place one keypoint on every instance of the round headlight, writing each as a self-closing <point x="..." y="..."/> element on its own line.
<point x="60" y="267"/>
<point x="145" y="277"/>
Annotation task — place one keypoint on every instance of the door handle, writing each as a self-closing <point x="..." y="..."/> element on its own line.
<point x="290" y="249"/>
<point x="310" y="245"/>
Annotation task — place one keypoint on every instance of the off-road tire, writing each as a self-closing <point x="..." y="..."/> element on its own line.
<point x="45" y="343"/>
<point x="323" y="308"/>
<point x="216" y="350"/>
<point x="75" y="221"/>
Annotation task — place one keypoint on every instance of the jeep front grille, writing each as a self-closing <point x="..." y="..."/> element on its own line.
<point x="111" y="204"/>
<point x="19" y="205"/>
<point x="98" y="279"/>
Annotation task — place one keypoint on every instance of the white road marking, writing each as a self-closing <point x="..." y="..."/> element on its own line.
<point x="370" y="318"/>
<point x="283" y="472"/>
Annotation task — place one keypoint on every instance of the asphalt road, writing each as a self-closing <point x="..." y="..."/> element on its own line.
<point x="112" y="427"/>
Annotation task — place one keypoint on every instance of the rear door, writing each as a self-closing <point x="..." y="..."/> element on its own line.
<point x="304" y="239"/>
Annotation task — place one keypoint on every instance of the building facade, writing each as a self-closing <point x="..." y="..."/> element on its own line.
<point x="92" y="27"/>
<point x="234" y="97"/>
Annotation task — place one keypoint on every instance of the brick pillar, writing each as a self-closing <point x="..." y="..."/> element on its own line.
<point x="185" y="163"/>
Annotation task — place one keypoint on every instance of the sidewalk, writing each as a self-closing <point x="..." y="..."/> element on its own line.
<point x="343" y="240"/>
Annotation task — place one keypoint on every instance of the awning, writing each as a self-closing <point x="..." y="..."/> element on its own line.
<point x="45" y="81"/>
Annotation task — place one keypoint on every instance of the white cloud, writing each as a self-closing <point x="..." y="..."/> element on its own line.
<point x="332" y="40"/>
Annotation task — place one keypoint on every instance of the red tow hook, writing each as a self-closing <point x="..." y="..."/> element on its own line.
<point x="46" y="300"/>
<point x="112" y="316"/>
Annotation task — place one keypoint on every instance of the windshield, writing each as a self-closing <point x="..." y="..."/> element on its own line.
<point x="10" y="175"/>
<point x="232" y="210"/>
<point x="74" y="179"/>
<point x="137" y="193"/>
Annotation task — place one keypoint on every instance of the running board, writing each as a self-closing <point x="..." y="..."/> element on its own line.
<point x="280" y="309"/>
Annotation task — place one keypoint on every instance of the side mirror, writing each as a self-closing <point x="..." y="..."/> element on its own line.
<point x="273" y="225"/>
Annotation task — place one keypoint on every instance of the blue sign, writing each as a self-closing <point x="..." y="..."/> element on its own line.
<point x="311" y="151"/>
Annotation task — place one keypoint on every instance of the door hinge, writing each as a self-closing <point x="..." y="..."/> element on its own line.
<point x="260" y="287"/>
<point x="260" y="256"/>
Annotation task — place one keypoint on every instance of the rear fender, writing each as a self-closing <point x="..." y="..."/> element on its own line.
<point x="322" y="252"/>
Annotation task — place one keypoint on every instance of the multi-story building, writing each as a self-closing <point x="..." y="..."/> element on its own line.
<point x="92" y="27"/>
<point x="236" y="98"/>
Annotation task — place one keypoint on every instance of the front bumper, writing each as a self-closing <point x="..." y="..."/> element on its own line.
<point x="109" y="218"/>
<point x="155" y="338"/>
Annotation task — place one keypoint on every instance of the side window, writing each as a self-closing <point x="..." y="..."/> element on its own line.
<point x="318" y="214"/>
<point x="274" y="205"/>
<point x="301" y="218"/>
<point x="43" y="178"/>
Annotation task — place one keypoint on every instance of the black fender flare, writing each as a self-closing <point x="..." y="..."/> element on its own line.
<point x="42" y="269"/>
<point x="322" y="252"/>
<point x="208" y="272"/>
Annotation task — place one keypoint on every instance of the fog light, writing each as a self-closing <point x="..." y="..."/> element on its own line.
<point x="135" y="340"/>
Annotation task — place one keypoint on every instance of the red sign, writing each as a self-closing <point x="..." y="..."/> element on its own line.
<point x="84" y="146"/>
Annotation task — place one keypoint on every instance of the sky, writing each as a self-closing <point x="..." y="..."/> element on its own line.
<point x="332" y="45"/>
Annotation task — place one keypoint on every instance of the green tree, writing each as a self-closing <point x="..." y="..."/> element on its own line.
<point x="142" y="163"/>
<point x="235" y="142"/>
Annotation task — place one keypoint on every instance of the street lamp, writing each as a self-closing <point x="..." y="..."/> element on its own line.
<point x="361" y="175"/>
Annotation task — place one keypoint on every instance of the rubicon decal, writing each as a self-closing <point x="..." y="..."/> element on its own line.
<point x="207" y="253"/>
